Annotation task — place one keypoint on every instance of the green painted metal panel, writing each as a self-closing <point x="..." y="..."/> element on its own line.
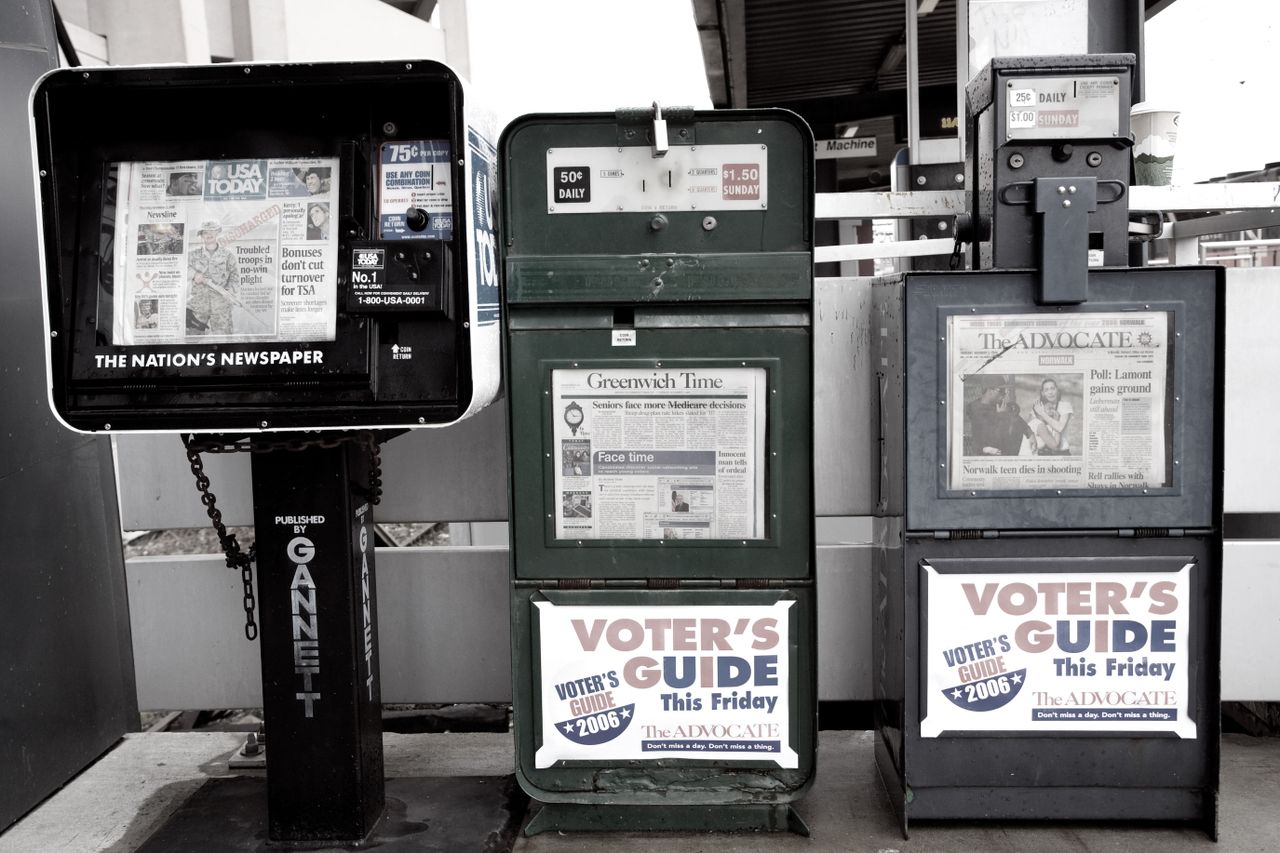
<point x="787" y="549"/>
<point x="786" y="225"/>
<point x="672" y="278"/>
<point x="659" y="337"/>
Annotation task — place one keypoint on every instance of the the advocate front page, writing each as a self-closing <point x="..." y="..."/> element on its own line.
<point x="1057" y="401"/>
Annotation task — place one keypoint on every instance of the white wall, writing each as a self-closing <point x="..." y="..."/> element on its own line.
<point x="147" y="32"/>
<point x="354" y="29"/>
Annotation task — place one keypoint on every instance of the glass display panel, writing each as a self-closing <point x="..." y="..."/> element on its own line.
<point x="659" y="454"/>
<point x="224" y="251"/>
<point x="1058" y="401"/>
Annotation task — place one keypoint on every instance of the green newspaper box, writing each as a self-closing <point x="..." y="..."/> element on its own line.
<point x="659" y="338"/>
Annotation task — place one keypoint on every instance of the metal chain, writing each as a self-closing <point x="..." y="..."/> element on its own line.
<point x="957" y="252"/>
<point x="236" y="558"/>
<point x="375" y="470"/>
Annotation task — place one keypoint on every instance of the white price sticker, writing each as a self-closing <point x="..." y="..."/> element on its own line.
<point x="629" y="179"/>
<point x="1022" y="108"/>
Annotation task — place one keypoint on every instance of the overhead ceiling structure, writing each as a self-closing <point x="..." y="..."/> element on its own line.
<point x="775" y="53"/>
<point x="423" y="9"/>
<point x="843" y="66"/>
<point x="843" y="60"/>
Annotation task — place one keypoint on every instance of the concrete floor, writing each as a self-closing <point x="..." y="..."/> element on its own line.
<point x="120" y="801"/>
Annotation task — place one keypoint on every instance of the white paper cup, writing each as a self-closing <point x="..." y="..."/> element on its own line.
<point x="1155" y="136"/>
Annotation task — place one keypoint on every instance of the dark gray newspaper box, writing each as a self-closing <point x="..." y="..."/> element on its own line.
<point x="1046" y="632"/>
<point x="1048" y="569"/>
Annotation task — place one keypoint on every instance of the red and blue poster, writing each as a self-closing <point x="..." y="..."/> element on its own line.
<point x="1057" y="651"/>
<point x="663" y="682"/>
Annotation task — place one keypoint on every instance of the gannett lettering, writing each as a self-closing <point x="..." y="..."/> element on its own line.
<point x="306" y="622"/>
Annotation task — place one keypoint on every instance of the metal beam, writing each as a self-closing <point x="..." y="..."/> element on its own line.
<point x="733" y="26"/>
<point x="913" y="81"/>
<point x="871" y="251"/>
<point x="1205" y="197"/>
<point x="890" y="205"/>
<point x="1223" y="223"/>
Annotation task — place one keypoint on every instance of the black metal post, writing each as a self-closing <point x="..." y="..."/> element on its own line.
<point x="321" y="692"/>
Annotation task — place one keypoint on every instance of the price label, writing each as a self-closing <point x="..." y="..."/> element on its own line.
<point x="629" y="179"/>
<point x="572" y="184"/>
<point x="1064" y="107"/>
<point x="415" y="175"/>
<point x="1022" y="108"/>
<point x="741" y="181"/>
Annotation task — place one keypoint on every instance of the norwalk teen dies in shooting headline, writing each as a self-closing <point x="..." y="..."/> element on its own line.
<point x="622" y="683"/>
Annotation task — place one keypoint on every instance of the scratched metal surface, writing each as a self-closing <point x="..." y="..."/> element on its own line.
<point x="67" y="689"/>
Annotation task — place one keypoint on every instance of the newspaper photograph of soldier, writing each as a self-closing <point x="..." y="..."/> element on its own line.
<point x="575" y="504"/>
<point x="212" y="279"/>
<point x="575" y="458"/>
<point x="160" y="238"/>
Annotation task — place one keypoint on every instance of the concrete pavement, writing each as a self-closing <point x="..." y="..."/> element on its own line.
<point x="120" y="802"/>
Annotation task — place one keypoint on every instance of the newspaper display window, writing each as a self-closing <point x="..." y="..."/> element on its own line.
<point x="1058" y="401"/>
<point x="672" y="453"/>
<point x="225" y="251"/>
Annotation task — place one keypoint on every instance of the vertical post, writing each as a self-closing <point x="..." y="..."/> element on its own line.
<point x="962" y="73"/>
<point x="1184" y="250"/>
<point x="913" y="80"/>
<point x="316" y="601"/>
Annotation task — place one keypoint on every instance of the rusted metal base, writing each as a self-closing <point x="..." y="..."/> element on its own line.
<point x="569" y="817"/>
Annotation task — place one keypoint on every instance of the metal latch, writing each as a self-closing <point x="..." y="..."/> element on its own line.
<point x="660" y="141"/>
<point x="966" y="534"/>
<point x="657" y="126"/>
<point x="1151" y="533"/>
<point x="1064" y="205"/>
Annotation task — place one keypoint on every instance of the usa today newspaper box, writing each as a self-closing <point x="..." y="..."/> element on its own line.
<point x="1048" y="570"/>
<point x="248" y="251"/>
<point x="659" y="295"/>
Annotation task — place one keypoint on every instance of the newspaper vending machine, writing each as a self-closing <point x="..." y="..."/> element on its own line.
<point x="1047" y="576"/>
<point x="248" y="252"/>
<point x="659" y="338"/>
